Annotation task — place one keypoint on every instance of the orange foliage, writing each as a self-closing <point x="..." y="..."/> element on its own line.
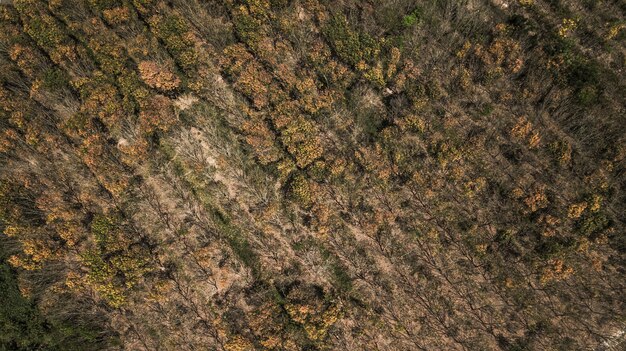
<point x="158" y="76"/>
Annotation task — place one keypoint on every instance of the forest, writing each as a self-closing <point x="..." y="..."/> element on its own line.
<point x="238" y="175"/>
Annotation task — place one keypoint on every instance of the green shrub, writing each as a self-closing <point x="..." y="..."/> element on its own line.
<point x="247" y="28"/>
<point x="173" y="30"/>
<point x="300" y="191"/>
<point x="22" y="327"/>
<point x="412" y="19"/>
<point x="587" y="95"/>
<point x="584" y="76"/>
<point x="593" y="224"/>
<point x="55" y="78"/>
<point x="101" y="227"/>
<point x="350" y="45"/>
<point x="45" y="31"/>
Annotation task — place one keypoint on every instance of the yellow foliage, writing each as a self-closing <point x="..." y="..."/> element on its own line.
<point x="465" y="78"/>
<point x="250" y="77"/>
<point x="337" y="166"/>
<point x="576" y="210"/>
<point x="375" y="74"/>
<point x="481" y="248"/>
<point x="116" y="15"/>
<point x="474" y="186"/>
<point x="25" y="58"/>
<point x="285" y="167"/>
<point x="392" y="67"/>
<point x="300" y="137"/>
<point x="562" y="151"/>
<point x="74" y="281"/>
<point x="555" y="270"/>
<point x="464" y="50"/>
<point x="12" y="230"/>
<point x="20" y="262"/>
<point x="113" y="295"/>
<point x="298" y="313"/>
<point x="522" y="128"/>
<point x="595" y="203"/>
<point x="315" y="324"/>
<point x="301" y="190"/>
<point x="36" y="249"/>
<point x="238" y="343"/>
<point x="567" y="26"/>
<point x="536" y="200"/>
<point x="502" y="53"/>
<point x="534" y="139"/>
<point x="271" y="342"/>
<point x="614" y="30"/>
<point x="319" y="330"/>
